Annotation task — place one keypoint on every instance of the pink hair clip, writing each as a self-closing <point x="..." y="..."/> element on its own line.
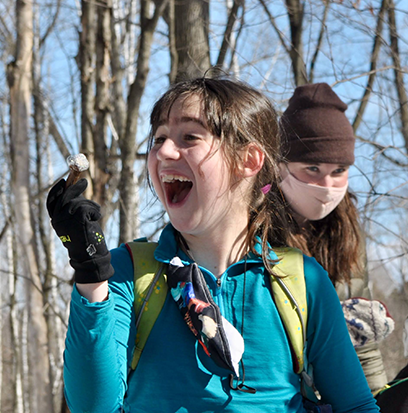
<point x="265" y="189"/>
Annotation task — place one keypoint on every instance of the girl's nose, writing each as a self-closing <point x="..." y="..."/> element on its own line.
<point x="326" y="181"/>
<point x="168" y="150"/>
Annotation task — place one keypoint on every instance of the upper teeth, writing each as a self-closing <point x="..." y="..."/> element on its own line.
<point x="171" y="178"/>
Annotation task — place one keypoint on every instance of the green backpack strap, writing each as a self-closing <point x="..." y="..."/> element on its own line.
<point x="150" y="291"/>
<point x="289" y="291"/>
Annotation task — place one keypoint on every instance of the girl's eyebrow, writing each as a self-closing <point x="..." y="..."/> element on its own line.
<point x="184" y="119"/>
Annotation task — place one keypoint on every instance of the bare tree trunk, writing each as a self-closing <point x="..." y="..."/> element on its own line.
<point x="226" y="41"/>
<point x="170" y="19"/>
<point x="8" y="343"/>
<point x="15" y="327"/>
<point x="23" y="373"/>
<point x="12" y="402"/>
<point x="102" y="106"/>
<point x="8" y="360"/>
<point x="131" y="42"/>
<point x="41" y="127"/>
<point x="4" y="328"/>
<point x="2" y="305"/>
<point x="14" y="323"/>
<point x="127" y="185"/>
<point x="172" y="42"/>
<point x="378" y="39"/>
<point x="87" y="44"/>
<point x="319" y="40"/>
<point x="295" y="49"/>
<point x="19" y="78"/>
<point x="119" y="108"/>
<point x="59" y="328"/>
<point x="192" y="41"/>
<point x="44" y="110"/>
<point x="399" y="78"/>
<point x="234" y="66"/>
<point x="296" y="12"/>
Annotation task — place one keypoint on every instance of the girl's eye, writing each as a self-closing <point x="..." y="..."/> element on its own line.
<point x="190" y="138"/>
<point x="159" y="140"/>
<point x="339" y="171"/>
<point x="313" y="168"/>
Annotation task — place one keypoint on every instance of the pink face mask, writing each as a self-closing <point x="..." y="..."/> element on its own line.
<point x="312" y="202"/>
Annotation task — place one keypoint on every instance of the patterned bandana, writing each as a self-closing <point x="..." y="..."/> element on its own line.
<point x="219" y="338"/>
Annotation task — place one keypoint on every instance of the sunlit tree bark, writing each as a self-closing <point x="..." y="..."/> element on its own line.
<point x="19" y="81"/>
<point x="192" y="41"/>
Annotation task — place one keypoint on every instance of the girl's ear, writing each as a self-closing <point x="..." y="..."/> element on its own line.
<point x="252" y="160"/>
<point x="283" y="170"/>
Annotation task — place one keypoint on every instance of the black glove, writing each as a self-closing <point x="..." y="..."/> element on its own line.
<point x="75" y="220"/>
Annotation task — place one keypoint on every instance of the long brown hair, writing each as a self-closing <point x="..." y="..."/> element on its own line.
<point x="335" y="241"/>
<point x="239" y="115"/>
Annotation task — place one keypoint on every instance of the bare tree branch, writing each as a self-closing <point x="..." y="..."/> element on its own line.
<point x="50" y="28"/>
<point x="382" y="149"/>
<point x="319" y="40"/>
<point x="7" y="33"/>
<point x="226" y="41"/>
<point x="349" y="79"/>
<point x="274" y="25"/>
<point x="6" y="225"/>
<point x="53" y="128"/>
<point x="170" y="19"/>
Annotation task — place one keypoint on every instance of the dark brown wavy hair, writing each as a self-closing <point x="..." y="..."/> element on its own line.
<point x="335" y="241"/>
<point x="239" y="115"/>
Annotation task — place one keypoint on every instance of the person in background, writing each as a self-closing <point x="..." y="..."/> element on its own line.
<point x="318" y="150"/>
<point x="213" y="148"/>
<point x="393" y="397"/>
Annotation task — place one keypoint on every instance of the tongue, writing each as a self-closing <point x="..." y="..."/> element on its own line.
<point x="179" y="191"/>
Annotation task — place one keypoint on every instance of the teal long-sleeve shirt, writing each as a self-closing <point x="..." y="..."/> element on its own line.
<point x="175" y="375"/>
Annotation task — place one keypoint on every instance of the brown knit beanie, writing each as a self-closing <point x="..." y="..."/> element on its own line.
<point x="315" y="128"/>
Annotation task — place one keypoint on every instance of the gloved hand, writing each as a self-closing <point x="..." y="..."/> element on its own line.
<point x="75" y="220"/>
<point x="368" y="321"/>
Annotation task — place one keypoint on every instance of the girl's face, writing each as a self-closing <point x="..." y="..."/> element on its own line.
<point x="190" y="173"/>
<point x="323" y="174"/>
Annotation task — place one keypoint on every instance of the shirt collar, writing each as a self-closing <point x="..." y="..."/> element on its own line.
<point x="168" y="248"/>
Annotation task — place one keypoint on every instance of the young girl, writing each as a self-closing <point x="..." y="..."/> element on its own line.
<point x="319" y="149"/>
<point x="213" y="149"/>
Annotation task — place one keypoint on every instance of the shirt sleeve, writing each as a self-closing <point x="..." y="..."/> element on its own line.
<point x="372" y="363"/>
<point x="99" y="343"/>
<point x="370" y="356"/>
<point x="337" y="371"/>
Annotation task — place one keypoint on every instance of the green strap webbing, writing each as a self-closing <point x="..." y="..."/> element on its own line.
<point x="150" y="291"/>
<point x="289" y="291"/>
<point x="389" y="385"/>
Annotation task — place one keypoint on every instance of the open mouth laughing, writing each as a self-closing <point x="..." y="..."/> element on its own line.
<point x="177" y="188"/>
